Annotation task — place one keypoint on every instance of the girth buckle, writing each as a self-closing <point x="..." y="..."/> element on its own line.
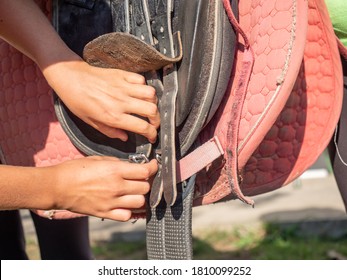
<point x="138" y="158"/>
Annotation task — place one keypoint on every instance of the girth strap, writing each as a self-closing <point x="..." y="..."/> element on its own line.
<point x="162" y="29"/>
<point x="169" y="228"/>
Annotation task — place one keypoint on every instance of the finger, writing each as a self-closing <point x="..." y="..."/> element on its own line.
<point x="146" y="93"/>
<point x="130" y="201"/>
<point x="134" y="187"/>
<point x="152" y="167"/>
<point x="121" y="215"/>
<point x="112" y="132"/>
<point x="103" y="158"/>
<point x="134" y="78"/>
<point x="134" y="171"/>
<point x="145" y="109"/>
<point x="138" y="126"/>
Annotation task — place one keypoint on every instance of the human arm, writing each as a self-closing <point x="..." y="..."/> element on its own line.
<point x="107" y="99"/>
<point x="104" y="187"/>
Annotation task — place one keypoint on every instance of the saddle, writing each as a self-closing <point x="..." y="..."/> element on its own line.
<point x="249" y="95"/>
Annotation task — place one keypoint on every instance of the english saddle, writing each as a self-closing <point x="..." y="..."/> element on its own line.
<point x="249" y="95"/>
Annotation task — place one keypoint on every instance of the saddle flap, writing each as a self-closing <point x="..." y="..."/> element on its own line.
<point x="205" y="70"/>
<point x="203" y="60"/>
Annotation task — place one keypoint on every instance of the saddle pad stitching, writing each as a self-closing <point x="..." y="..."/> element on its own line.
<point x="279" y="81"/>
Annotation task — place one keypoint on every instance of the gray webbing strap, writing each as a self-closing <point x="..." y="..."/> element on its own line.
<point x="155" y="231"/>
<point x="169" y="229"/>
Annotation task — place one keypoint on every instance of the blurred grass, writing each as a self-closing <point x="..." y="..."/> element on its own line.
<point x="268" y="242"/>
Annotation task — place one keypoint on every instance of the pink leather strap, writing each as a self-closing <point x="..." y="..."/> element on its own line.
<point x="198" y="159"/>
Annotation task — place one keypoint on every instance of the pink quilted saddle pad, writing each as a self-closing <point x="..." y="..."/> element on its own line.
<point x="292" y="103"/>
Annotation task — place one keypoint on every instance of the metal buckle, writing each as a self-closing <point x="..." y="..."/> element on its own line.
<point x="138" y="158"/>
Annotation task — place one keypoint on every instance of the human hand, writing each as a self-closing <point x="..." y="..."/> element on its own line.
<point x="104" y="187"/>
<point x="110" y="100"/>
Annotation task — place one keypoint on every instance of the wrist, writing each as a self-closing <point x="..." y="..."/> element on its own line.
<point x="60" y="73"/>
<point x="47" y="180"/>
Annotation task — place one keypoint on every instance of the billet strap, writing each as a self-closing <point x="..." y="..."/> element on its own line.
<point x="165" y="181"/>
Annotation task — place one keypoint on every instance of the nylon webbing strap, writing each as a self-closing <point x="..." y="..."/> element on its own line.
<point x="169" y="229"/>
<point x="155" y="231"/>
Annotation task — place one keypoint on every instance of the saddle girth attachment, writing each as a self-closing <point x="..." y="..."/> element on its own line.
<point x="164" y="41"/>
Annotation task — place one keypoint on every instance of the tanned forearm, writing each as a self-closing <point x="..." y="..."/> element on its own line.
<point x="26" y="187"/>
<point x="24" y="26"/>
